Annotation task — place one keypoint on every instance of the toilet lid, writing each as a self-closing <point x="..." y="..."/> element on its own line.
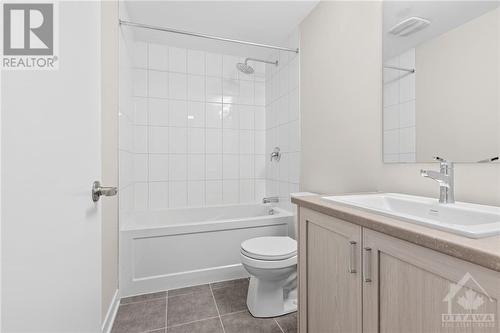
<point x="269" y="248"/>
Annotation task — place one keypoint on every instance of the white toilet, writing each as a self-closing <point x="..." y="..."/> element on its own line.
<point x="272" y="264"/>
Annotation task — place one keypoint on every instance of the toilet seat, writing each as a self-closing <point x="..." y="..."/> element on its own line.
<point x="268" y="264"/>
<point x="269" y="248"/>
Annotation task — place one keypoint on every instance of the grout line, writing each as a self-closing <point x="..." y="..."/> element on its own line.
<point x="166" y="311"/>
<point x="217" y="308"/>
<point x="279" y="326"/>
<point x="146" y="300"/>
<point x="189" y="322"/>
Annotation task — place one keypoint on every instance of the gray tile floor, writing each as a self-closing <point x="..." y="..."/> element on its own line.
<point x="210" y="308"/>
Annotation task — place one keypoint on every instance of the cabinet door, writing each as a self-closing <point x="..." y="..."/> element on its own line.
<point x="409" y="288"/>
<point x="329" y="278"/>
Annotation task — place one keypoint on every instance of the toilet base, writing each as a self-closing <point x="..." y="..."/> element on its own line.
<point x="271" y="299"/>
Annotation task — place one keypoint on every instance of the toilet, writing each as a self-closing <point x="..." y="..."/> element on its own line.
<point x="272" y="265"/>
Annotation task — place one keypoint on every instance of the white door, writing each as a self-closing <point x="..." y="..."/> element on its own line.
<point x="51" y="154"/>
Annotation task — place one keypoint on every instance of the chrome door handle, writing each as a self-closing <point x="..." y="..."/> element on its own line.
<point x="367" y="265"/>
<point x="352" y="257"/>
<point x="98" y="190"/>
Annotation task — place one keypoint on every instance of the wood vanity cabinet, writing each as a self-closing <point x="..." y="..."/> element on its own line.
<point x="353" y="279"/>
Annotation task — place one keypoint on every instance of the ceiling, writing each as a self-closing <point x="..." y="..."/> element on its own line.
<point x="268" y="22"/>
<point x="444" y="16"/>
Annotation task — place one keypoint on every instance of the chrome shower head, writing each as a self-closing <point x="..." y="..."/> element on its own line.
<point x="247" y="69"/>
<point x="244" y="68"/>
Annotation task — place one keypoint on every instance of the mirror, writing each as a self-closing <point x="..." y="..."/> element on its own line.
<point x="441" y="80"/>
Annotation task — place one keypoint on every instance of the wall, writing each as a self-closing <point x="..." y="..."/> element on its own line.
<point x="198" y="129"/>
<point x="283" y="122"/>
<point x="399" y="110"/>
<point x="457" y="84"/>
<point x="341" y="104"/>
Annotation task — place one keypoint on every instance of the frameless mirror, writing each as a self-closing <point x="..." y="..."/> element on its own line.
<point x="441" y="80"/>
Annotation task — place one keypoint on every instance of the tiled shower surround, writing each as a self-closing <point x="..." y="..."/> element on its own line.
<point x="194" y="131"/>
<point x="399" y="110"/>
<point x="283" y="123"/>
<point x="199" y="129"/>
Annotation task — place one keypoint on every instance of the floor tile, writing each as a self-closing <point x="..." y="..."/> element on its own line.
<point x="288" y="322"/>
<point x="243" y="322"/>
<point x="189" y="290"/>
<point x="230" y="283"/>
<point x="144" y="297"/>
<point x="186" y="308"/>
<point x="140" y="317"/>
<point x="232" y="298"/>
<point x="203" y="326"/>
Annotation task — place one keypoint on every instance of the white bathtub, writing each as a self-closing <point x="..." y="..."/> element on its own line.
<point x="175" y="248"/>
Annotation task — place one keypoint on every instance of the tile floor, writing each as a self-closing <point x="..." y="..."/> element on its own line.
<point x="210" y="308"/>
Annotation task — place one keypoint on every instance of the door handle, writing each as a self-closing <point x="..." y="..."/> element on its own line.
<point x="352" y="257"/>
<point x="367" y="265"/>
<point x="98" y="190"/>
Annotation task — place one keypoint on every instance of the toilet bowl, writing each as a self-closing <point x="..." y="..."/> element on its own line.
<point x="272" y="265"/>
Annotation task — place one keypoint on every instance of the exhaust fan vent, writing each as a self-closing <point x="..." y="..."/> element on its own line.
<point x="409" y="26"/>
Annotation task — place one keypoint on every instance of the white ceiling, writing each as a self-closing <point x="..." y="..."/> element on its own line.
<point x="268" y="22"/>
<point x="444" y="16"/>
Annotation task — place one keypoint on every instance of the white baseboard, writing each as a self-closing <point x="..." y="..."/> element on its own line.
<point x="107" y="325"/>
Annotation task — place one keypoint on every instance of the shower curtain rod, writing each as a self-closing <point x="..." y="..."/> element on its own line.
<point x="410" y="70"/>
<point x="196" y="34"/>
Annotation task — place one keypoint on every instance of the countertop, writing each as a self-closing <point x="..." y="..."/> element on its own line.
<point x="484" y="251"/>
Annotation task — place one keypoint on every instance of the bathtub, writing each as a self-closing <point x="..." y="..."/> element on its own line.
<point x="165" y="249"/>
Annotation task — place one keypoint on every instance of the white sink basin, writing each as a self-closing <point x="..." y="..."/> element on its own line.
<point x="469" y="220"/>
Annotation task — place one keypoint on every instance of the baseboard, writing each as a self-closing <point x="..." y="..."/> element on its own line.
<point x="107" y="325"/>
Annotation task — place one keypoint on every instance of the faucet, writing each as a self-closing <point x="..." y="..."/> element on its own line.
<point x="276" y="154"/>
<point x="270" y="199"/>
<point x="445" y="178"/>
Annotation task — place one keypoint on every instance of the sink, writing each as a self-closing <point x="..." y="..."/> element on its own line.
<point x="465" y="219"/>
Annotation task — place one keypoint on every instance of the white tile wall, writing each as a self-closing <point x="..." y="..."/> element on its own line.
<point x="399" y="110"/>
<point x="281" y="119"/>
<point x="194" y="133"/>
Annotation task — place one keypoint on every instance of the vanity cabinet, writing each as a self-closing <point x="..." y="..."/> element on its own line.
<point x="353" y="279"/>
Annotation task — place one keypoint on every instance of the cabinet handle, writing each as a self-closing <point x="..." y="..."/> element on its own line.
<point x="367" y="265"/>
<point x="352" y="257"/>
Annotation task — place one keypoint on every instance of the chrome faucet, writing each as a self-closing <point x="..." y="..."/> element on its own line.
<point x="270" y="199"/>
<point x="276" y="154"/>
<point x="445" y="178"/>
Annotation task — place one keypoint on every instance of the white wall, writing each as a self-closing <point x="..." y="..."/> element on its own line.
<point x="283" y="122"/>
<point x="341" y="110"/>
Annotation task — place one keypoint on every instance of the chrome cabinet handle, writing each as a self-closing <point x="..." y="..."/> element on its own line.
<point x="352" y="257"/>
<point x="98" y="190"/>
<point x="367" y="265"/>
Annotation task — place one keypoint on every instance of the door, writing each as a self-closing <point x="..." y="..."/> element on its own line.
<point x="408" y="288"/>
<point x="332" y="274"/>
<point x="51" y="154"/>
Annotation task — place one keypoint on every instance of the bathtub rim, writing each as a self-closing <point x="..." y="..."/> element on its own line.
<point x="130" y="227"/>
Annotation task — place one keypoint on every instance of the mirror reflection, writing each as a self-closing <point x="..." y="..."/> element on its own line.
<point x="441" y="81"/>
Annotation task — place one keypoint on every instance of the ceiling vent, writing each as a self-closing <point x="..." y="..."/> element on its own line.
<point x="409" y="26"/>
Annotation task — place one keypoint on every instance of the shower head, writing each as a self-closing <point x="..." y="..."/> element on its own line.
<point x="245" y="68"/>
